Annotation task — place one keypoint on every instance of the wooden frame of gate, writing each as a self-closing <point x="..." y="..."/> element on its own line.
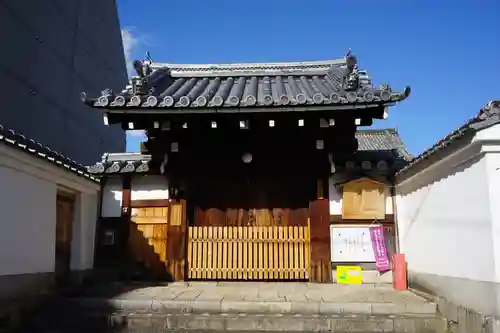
<point x="249" y="253"/>
<point x="217" y="252"/>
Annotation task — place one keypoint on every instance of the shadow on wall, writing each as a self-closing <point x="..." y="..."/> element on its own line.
<point x="94" y="305"/>
<point x="148" y="255"/>
<point x="126" y="253"/>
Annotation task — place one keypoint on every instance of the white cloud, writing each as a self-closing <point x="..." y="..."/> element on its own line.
<point x="130" y="43"/>
<point x="134" y="42"/>
<point x="136" y="133"/>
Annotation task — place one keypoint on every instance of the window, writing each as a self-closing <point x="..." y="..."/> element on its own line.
<point x="108" y="238"/>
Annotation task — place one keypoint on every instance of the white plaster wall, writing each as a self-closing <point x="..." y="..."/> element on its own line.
<point x="444" y="220"/>
<point x="335" y="197"/>
<point x="489" y="136"/>
<point x="493" y="171"/>
<point x="82" y="247"/>
<point x="149" y="187"/>
<point x="142" y="187"/>
<point x="28" y="192"/>
<point x="27" y="223"/>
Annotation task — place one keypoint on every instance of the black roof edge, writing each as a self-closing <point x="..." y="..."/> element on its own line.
<point x="18" y="141"/>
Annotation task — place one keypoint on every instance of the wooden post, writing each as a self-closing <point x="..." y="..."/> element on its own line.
<point x="319" y="212"/>
<point x="125" y="214"/>
<point x="176" y="240"/>
<point x="126" y="197"/>
<point x="392" y="192"/>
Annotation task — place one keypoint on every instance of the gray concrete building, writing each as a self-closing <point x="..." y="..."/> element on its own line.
<point x="51" y="50"/>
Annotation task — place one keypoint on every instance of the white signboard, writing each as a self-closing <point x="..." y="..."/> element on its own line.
<point x="351" y="244"/>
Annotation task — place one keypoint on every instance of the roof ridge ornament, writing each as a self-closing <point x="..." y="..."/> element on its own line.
<point x="143" y="70"/>
<point x="491" y="109"/>
<point x="350" y="80"/>
<point x="385" y="87"/>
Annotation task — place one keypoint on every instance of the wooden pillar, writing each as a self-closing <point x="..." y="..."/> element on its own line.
<point x="176" y="241"/>
<point x="125" y="214"/>
<point x="126" y="198"/>
<point x="319" y="212"/>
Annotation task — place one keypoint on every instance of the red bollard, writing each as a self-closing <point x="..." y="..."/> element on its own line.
<point x="399" y="277"/>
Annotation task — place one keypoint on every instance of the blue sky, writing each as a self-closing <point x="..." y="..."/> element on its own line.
<point x="447" y="51"/>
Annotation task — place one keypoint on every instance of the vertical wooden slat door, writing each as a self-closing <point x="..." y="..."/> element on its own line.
<point x="148" y="239"/>
<point x="64" y="231"/>
<point x="248" y="253"/>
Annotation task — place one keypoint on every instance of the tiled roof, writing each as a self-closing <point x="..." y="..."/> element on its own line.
<point x="379" y="139"/>
<point x="382" y="144"/>
<point x="248" y="85"/>
<point x="487" y="116"/>
<point x="18" y="141"/>
<point x="121" y="163"/>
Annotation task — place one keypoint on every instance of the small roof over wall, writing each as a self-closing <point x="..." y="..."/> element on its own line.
<point x="34" y="148"/>
<point x="374" y="146"/>
<point x="486" y="117"/>
<point x="163" y="88"/>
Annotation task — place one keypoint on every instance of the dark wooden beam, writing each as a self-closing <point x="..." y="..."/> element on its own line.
<point x="126" y="213"/>
<point x="150" y="203"/>
<point x="126" y="197"/>
<point x="321" y="268"/>
<point x="145" y="118"/>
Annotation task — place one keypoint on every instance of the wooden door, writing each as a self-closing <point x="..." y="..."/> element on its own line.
<point x="148" y="239"/>
<point x="64" y="231"/>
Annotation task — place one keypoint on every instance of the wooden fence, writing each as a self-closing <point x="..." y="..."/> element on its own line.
<point x="249" y="253"/>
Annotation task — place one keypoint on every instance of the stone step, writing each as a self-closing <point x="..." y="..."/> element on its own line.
<point x="254" y="307"/>
<point x="189" y="322"/>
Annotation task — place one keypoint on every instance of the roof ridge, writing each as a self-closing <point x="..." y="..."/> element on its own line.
<point x="239" y="65"/>
<point x="379" y="130"/>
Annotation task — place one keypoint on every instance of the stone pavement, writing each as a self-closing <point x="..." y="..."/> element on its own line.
<point x="259" y="297"/>
<point x="240" y="307"/>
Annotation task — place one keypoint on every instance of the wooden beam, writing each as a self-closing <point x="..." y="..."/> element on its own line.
<point x="126" y="197"/>
<point x="126" y="213"/>
<point x="149" y="203"/>
<point x="395" y="217"/>
<point x="321" y="268"/>
<point x="337" y="219"/>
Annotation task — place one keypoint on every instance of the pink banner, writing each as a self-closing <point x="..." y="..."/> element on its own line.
<point x="379" y="248"/>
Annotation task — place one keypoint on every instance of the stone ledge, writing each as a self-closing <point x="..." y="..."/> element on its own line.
<point x="141" y="322"/>
<point x="461" y="319"/>
<point x="249" y="307"/>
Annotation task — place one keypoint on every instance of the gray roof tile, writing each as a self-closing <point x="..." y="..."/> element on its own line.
<point x="379" y="139"/>
<point x="248" y="85"/>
